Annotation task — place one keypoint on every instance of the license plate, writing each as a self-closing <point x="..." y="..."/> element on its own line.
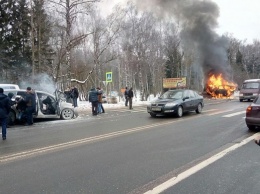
<point x="156" y="109"/>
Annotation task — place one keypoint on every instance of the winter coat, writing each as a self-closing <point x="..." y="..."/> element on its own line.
<point x="5" y="105"/>
<point x="93" y="95"/>
<point x="74" y="93"/>
<point x="30" y="100"/>
<point x="126" y="93"/>
<point x="100" y="96"/>
<point x="130" y="94"/>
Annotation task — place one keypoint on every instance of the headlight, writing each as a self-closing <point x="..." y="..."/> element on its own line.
<point x="169" y="104"/>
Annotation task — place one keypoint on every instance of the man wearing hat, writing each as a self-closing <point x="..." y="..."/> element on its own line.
<point x="30" y="105"/>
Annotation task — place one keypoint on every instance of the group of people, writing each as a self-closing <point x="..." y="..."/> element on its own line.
<point x="95" y="97"/>
<point x="72" y="95"/>
<point x="5" y="108"/>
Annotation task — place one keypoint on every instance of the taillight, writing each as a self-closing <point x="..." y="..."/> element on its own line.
<point x="248" y="109"/>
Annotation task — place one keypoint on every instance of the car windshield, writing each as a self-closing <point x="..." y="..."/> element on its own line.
<point x="172" y="95"/>
<point x="250" y="85"/>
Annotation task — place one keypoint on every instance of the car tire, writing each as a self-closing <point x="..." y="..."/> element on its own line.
<point x="67" y="114"/>
<point x="241" y="100"/>
<point x="153" y="115"/>
<point x="199" y="108"/>
<point x="179" y="111"/>
<point x="251" y="127"/>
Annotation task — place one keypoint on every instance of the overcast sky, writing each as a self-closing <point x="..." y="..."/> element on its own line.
<point x="237" y="17"/>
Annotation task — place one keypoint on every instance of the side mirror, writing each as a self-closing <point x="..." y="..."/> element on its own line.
<point x="185" y="98"/>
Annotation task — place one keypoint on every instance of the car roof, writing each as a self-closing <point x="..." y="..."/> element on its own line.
<point x="24" y="90"/>
<point x="9" y="86"/>
<point x="252" y="80"/>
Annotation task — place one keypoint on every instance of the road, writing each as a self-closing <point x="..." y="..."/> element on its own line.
<point x="127" y="151"/>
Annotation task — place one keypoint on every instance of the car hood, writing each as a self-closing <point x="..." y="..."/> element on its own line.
<point x="164" y="101"/>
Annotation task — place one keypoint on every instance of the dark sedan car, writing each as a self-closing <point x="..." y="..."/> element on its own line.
<point x="176" y="102"/>
<point x="253" y="114"/>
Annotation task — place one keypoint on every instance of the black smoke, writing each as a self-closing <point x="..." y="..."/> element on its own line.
<point x="198" y="21"/>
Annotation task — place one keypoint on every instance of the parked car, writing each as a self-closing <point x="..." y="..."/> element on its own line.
<point x="253" y="114"/>
<point x="47" y="105"/>
<point x="9" y="86"/>
<point x="176" y="102"/>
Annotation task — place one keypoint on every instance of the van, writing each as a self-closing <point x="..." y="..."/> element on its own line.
<point x="249" y="90"/>
<point x="9" y="86"/>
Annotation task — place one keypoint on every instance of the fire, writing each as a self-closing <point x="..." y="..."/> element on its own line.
<point x="218" y="87"/>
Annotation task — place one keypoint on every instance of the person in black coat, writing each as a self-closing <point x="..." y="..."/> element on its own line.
<point x="30" y="105"/>
<point x="5" y="107"/>
<point x="74" y="95"/>
<point x="130" y="98"/>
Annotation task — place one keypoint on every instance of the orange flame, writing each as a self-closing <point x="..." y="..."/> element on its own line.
<point x="218" y="87"/>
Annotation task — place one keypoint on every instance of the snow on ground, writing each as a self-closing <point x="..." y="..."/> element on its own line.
<point x="86" y="105"/>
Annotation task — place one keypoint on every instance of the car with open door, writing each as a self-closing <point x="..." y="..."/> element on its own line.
<point x="47" y="105"/>
<point x="176" y="102"/>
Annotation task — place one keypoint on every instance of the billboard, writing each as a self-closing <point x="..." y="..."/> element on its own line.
<point x="174" y="82"/>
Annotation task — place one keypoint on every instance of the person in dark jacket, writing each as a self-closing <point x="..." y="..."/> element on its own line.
<point x="130" y="98"/>
<point x="5" y="107"/>
<point x="30" y="105"/>
<point x="9" y="120"/>
<point x="74" y="95"/>
<point x="93" y="98"/>
<point x="21" y="107"/>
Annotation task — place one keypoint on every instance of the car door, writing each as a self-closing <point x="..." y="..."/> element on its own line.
<point x="187" y="103"/>
<point x="58" y="99"/>
<point x="193" y="100"/>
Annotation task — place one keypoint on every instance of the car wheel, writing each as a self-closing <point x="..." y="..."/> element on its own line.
<point x="153" y="115"/>
<point x="67" y="114"/>
<point x="179" y="111"/>
<point x="241" y="100"/>
<point x="199" y="108"/>
<point x="251" y="127"/>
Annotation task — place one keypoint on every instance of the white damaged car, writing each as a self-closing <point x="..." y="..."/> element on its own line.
<point x="57" y="106"/>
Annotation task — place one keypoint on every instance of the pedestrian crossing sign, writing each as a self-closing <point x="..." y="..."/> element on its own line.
<point x="108" y="76"/>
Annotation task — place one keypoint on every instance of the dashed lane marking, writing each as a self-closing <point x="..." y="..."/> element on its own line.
<point x="234" y="114"/>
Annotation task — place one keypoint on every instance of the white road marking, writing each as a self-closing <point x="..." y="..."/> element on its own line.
<point x="80" y="141"/>
<point x="173" y="181"/>
<point x="234" y="114"/>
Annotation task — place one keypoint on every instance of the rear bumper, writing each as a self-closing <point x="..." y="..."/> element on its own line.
<point x="252" y="121"/>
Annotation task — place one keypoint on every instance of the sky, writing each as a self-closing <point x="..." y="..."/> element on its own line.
<point x="237" y="17"/>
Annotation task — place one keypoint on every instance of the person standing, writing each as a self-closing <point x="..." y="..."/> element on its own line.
<point x="93" y="98"/>
<point x="9" y="120"/>
<point x="5" y="107"/>
<point x="30" y="105"/>
<point x="74" y="95"/>
<point x="126" y="96"/>
<point x="100" y="106"/>
<point x="130" y="98"/>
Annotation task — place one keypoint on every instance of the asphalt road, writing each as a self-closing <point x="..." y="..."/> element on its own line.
<point x="127" y="151"/>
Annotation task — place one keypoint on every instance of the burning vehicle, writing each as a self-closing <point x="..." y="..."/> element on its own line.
<point x="218" y="87"/>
